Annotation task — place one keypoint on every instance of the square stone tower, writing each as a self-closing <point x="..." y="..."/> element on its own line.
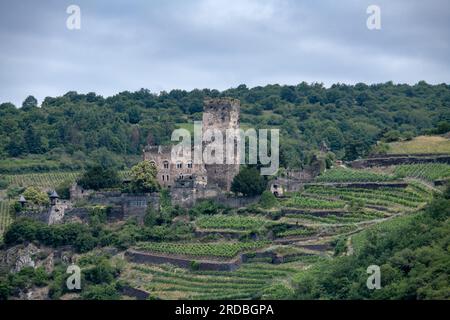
<point x="222" y="114"/>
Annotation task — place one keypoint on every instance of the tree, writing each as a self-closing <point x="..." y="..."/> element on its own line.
<point x="143" y="177"/>
<point x="63" y="189"/>
<point x="29" y="103"/>
<point x="97" y="177"/>
<point x="391" y="136"/>
<point x="102" y="272"/>
<point x="334" y="138"/>
<point x="249" y="182"/>
<point x="33" y="141"/>
<point x="288" y="93"/>
<point x="35" y="196"/>
<point x="442" y="127"/>
<point x="16" y="145"/>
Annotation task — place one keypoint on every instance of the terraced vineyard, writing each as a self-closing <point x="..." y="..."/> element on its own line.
<point x="250" y="281"/>
<point x="298" y="232"/>
<point x="5" y="217"/>
<point x="212" y="249"/>
<point x="348" y="218"/>
<point x="231" y="222"/>
<point x="302" y="201"/>
<point x="409" y="197"/>
<point x="307" y="223"/>
<point x="47" y="180"/>
<point x="350" y="175"/>
<point x="41" y="180"/>
<point x="426" y="171"/>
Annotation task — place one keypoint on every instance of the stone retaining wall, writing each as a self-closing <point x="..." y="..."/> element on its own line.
<point x="402" y="155"/>
<point x="441" y="182"/>
<point x="393" y="161"/>
<point x="188" y="196"/>
<point x="317" y="213"/>
<point x="365" y="185"/>
<point x="135" y="293"/>
<point x="42" y="216"/>
<point x="153" y="258"/>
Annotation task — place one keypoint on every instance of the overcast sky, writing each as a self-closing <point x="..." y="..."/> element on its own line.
<point x="186" y="44"/>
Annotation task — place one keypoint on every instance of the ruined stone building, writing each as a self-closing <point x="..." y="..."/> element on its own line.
<point x="218" y="114"/>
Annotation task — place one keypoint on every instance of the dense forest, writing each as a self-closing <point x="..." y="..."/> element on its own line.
<point x="63" y="132"/>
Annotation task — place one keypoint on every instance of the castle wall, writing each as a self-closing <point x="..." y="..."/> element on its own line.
<point x="187" y="196"/>
<point x="168" y="170"/>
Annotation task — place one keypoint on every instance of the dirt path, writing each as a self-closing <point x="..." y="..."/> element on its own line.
<point x="350" y="250"/>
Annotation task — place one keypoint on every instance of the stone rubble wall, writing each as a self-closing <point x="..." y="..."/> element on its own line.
<point x="152" y="258"/>
<point x="316" y="213"/>
<point x="187" y="197"/>
<point x="398" y="160"/>
<point x="134" y="293"/>
<point x="364" y="185"/>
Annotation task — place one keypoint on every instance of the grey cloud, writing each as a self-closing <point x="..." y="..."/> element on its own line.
<point x="162" y="45"/>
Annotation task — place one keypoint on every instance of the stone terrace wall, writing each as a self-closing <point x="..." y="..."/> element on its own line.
<point x="42" y="216"/>
<point x="135" y="293"/>
<point x="405" y="159"/>
<point x="365" y="185"/>
<point x="316" y="213"/>
<point x="152" y="258"/>
<point x="123" y="206"/>
<point x="400" y="155"/>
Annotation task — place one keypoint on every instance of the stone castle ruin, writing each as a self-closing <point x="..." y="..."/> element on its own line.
<point x="218" y="115"/>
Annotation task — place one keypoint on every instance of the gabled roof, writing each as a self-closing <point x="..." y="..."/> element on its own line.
<point x="54" y="195"/>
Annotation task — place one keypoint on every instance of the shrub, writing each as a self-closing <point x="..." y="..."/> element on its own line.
<point x="3" y="183"/>
<point x="150" y="217"/>
<point x="63" y="189"/>
<point x="194" y="265"/>
<point x="98" y="214"/>
<point x="249" y="182"/>
<point x="207" y="207"/>
<point x="76" y="234"/>
<point x="97" y="177"/>
<point x="101" y="292"/>
<point x="268" y="200"/>
<point x="36" y="197"/>
<point x="102" y="272"/>
<point x="143" y="177"/>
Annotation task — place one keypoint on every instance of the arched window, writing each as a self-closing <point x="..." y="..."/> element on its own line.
<point x="179" y="165"/>
<point x="189" y="164"/>
<point x="166" y="164"/>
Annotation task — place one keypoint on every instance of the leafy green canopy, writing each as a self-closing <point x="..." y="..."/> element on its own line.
<point x="249" y="182"/>
<point x="349" y="118"/>
<point x="143" y="177"/>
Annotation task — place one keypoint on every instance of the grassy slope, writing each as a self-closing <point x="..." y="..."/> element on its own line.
<point x="421" y="144"/>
